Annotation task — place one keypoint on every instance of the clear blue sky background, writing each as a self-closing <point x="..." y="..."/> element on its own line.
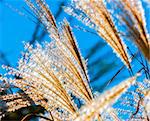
<point x="15" y="28"/>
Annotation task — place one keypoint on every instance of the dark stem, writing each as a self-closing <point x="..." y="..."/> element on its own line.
<point x="145" y="68"/>
<point x="29" y="116"/>
<point x="132" y="57"/>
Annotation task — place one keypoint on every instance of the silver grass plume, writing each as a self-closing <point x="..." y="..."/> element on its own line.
<point x="91" y="111"/>
<point x="55" y="71"/>
<point x="65" y="42"/>
<point x="131" y="15"/>
<point x="49" y="74"/>
<point x="133" y="103"/>
<point x="95" y="14"/>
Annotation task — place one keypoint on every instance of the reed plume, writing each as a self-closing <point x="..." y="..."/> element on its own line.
<point x="50" y="74"/>
<point x="55" y="71"/>
<point x="98" y="106"/>
<point x="131" y="15"/>
<point x="131" y="103"/>
<point x="95" y="14"/>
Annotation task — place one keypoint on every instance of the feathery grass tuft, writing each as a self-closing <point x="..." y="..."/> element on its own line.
<point x="99" y="17"/>
<point x="50" y="75"/>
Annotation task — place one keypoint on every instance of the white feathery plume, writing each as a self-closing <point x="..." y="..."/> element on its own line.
<point x="99" y="105"/>
<point x="50" y="73"/>
<point x="95" y="14"/>
<point x="132" y="16"/>
<point x="54" y="71"/>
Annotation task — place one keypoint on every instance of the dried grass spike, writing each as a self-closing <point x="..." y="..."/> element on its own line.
<point x="73" y="48"/>
<point x="97" y="106"/>
<point x="132" y="14"/>
<point x="100" y="16"/>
